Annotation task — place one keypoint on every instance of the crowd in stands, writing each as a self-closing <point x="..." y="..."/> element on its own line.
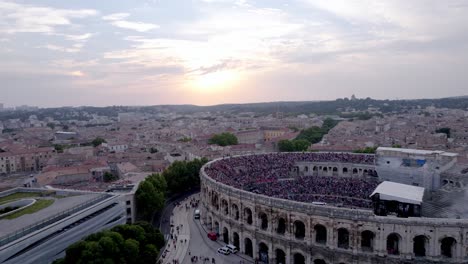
<point x="264" y="174"/>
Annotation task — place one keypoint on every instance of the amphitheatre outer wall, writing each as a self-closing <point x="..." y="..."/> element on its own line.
<point x="291" y="232"/>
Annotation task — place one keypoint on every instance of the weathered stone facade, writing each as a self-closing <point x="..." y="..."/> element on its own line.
<point x="294" y="232"/>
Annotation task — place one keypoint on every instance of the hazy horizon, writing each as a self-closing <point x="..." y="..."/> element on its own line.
<point x="209" y="52"/>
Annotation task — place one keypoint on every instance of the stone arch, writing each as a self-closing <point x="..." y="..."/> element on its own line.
<point x="335" y="171"/>
<point x="320" y="234"/>
<point x="281" y="228"/>
<point x="299" y="229"/>
<point x="236" y="240"/>
<point x="216" y="227"/>
<point x="367" y="240"/>
<point x="343" y="238"/>
<point x="345" y="170"/>
<point x="280" y="256"/>
<point x="263" y="252"/>
<point x="355" y="171"/>
<point x="319" y="261"/>
<point x="225" y="206"/>
<point x="263" y="220"/>
<point x="214" y="201"/>
<point x="298" y="258"/>
<point x="447" y="247"/>
<point x="248" y="216"/>
<point x="325" y="169"/>
<point x="225" y="235"/>
<point x="420" y="245"/>
<point x="393" y="244"/>
<point x="306" y="168"/>
<point x="235" y="211"/>
<point x="248" y="247"/>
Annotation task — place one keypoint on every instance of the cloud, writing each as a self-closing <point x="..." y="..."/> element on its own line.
<point x="62" y="49"/>
<point x="82" y="37"/>
<point x="115" y="16"/>
<point x="138" y="26"/>
<point x="15" y="18"/>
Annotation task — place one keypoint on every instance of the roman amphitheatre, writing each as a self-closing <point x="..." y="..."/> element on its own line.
<point x="397" y="206"/>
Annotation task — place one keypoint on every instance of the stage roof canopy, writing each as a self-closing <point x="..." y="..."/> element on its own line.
<point x="392" y="191"/>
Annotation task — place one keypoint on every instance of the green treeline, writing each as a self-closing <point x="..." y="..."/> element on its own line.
<point x="179" y="177"/>
<point x="223" y="139"/>
<point x="137" y="243"/>
<point x="307" y="137"/>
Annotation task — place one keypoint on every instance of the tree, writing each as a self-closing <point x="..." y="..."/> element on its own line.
<point x="98" y="141"/>
<point x="183" y="176"/>
<point x="223" y="139"/>
<point x="366" y="150"/>
<point x="148" y="199"/>
<point x="51" y="125"/>
<point x="293" y="145"/>
<point x="108" y="177"/>
<point x="121" y="244"/>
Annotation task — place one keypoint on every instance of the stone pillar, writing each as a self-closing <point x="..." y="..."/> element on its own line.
<point x="288" y="254"/>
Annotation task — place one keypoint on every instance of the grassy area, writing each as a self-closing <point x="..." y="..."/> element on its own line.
<point x="16" y="196"/>
<point x="39" y="205"/>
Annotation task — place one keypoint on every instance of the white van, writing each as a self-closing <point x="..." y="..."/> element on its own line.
<point x="232" y="248"/>
<point x="224" y="251"/>
<point x="197" y="214"/>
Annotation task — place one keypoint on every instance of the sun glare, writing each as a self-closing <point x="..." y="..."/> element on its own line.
<point x="215" y="81"/>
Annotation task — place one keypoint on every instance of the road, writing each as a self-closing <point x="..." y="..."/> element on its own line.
<point x="198" y="244"/>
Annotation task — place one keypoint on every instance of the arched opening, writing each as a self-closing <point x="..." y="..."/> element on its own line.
<point x="447" y="246"/>
<point x="225" y="235"/>
<point x="320" y="234"/>
<point x="325" y="169"/>
<point x="248" y="216"/>
<point x="235" y="211"/>
<point x="419" y="245"/>
<point x="281" y="229"/>
<point x="355" y="171"/>
<point x="367" y="240"/>
<point x="248" y="249"/>
<point x="280" y="256"/>
<point x="319" y="261"/>
<point x="224" y="205"/>
<point x="315" y="168"/>
<point x="215" y="201"/>
<point x="263" y="221"/>
<point x="299" y="230"/>
<point x="306" y="168"/>
<point x="235" y="235"/>
<point x="216" y="228"/>
<point x="299" y="258"/>
<point x="345" y="170"/>
<point x="335" y="171"/>
<point x="393" y="244"/>
<point x="263" y="252"/>
<point x="343" y="238"/>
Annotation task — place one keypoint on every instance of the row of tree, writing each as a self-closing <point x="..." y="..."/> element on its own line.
<point x="307" y="137"/>
<point x="179" y="177"/>
<point x="223" y="139"/>
<point x="137" y="243"/>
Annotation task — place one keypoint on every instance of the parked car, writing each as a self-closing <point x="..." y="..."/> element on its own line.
<point x="212" y="236"/>
<point x="232" y="248"/>
<point x="224" y="251"/>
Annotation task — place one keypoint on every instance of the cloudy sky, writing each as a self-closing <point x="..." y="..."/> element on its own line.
<point x="135" y="52"/>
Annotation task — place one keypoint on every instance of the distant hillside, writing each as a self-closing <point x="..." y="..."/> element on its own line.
<point x="306" y="107"/>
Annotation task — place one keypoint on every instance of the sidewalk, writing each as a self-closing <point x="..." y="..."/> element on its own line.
<point x="177" y="247"/>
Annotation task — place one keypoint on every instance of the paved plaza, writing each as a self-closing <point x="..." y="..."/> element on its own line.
<point x="189" y="240"/>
